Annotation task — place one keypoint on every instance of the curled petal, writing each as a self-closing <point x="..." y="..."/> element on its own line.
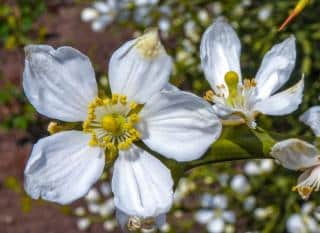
<point x="220" y="52"/>
<point x="283" y="102"/>
<point x="295" y="154"/>
<point x="312" y="119"/>
<point x="308" y="182"/>
<point x="59" y="83"/>
<point x="179" y="125"/>
<point x="276" y="67"/>
<point x="141" y="184"/>
<point x="63" y="167"/>
<point x="140" y="68"/>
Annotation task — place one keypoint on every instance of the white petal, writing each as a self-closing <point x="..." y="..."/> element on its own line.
<point x="141" y="184"/>
<point x="59" y="83"/>
<point x="295" y="154"/>
<point x="276" y="67"/>
<point x="179" y="125"/>
<point x="102" y="22"/>
<point x="283" y="102"/>
<point x="62" y="167"/>
<point x="137" y="75"/>
<point x="312" y="119"/>
<point x="220" y="52"/>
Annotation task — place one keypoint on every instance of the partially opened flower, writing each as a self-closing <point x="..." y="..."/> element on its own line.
<point x="312" y="119"/>
<point x="239" y="99"/>
<point x="296" y="154"/>
<point x="61" y="84"/>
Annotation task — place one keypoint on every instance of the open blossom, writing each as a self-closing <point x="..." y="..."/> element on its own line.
<point x="299" y="155"/>
<point x="312" y="119"/>
<point x="235" y="98"/>
<point x="61" y="84"/>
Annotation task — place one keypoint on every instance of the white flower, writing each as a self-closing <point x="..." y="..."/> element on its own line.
<point x="301" y="223"/>
<point x="312" y="119"/>
<point x="61" y="84"/>
<point x="101" y="14"/>
<point x="218" y="218"/>
<point x="244" y="99"/>
<point x="240" y="184"/>
<point x="296" y="154"/>
<point x="83" y="224"/>
<point x="258" y="167"/>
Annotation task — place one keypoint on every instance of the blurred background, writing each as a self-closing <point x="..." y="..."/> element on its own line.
<point x="247" y="196"/>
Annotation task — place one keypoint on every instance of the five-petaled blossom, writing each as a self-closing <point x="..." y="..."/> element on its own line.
<point x="62" y="167"/>
<point x="296" y="154"/>
<point x="241" y="100"/>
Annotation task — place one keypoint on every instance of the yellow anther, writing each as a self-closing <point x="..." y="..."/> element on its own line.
<point x="149" y="45"/>
<point x="134" y="118"/>
<point x="123" y="99"/>
<point x="209" y="96"/>
<point x="53" y="127"/>
<point x="106" y="101"/>
<point x="114" y="98"/>
<point x="93" y="141"/>
<point x="111" y="124"/>
<point x="107" y="138"/>
<point x="133" y="106"/>
<point x="135" y="134"/>
<point x="304" y="191"/>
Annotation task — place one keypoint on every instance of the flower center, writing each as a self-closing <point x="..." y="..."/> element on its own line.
<point x="111" y="122"/>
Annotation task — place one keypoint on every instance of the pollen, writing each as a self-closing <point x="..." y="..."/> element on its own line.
<point x="149" y="45"/>
<point x="111" y="123"/>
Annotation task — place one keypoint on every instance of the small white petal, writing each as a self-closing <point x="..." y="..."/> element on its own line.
<point x="312" y="119"/>
<point x="102" y="7"/>
<point x="136" y="75"/>
<point x="220" y="201"/>
<point x="220" y="52"/>
<point x="141" y="184"/>
<point x="276" y="67"/>
<point x="229" y="216"/>
<point x="63" y="167"/>
<point x="179" y="125"/>
<point x="295" y="154"/>
<point x="89" y="14"/>
<point x="283" y="102"/>
<point x="59" y="83"/>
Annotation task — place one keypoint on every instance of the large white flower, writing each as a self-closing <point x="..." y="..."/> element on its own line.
<point x="244" y="99"/>
<point x="296" y="154"/>
<point x="61" y="84"/>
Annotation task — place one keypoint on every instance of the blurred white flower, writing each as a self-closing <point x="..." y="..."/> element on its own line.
<point x="258" y="167"/>
<point x="264" y="13"/>
<point x="249" y="203"/>
<point x="240" y="184"/>
<point x="239" y="100"/>
<point x="83" y="224"/>
<point x="93" y="195"/>
<point x="105" y="189"/>
<point x="312" y="119"/>
<point x="79" y="211"/>
<point x="299" y="155"/>
<point x="109" y="225"/>
<point x="101" y="14"/>
<point x="215" y="214"/>
<point x="300" y="223"/>
<point x="217" y="8"/>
